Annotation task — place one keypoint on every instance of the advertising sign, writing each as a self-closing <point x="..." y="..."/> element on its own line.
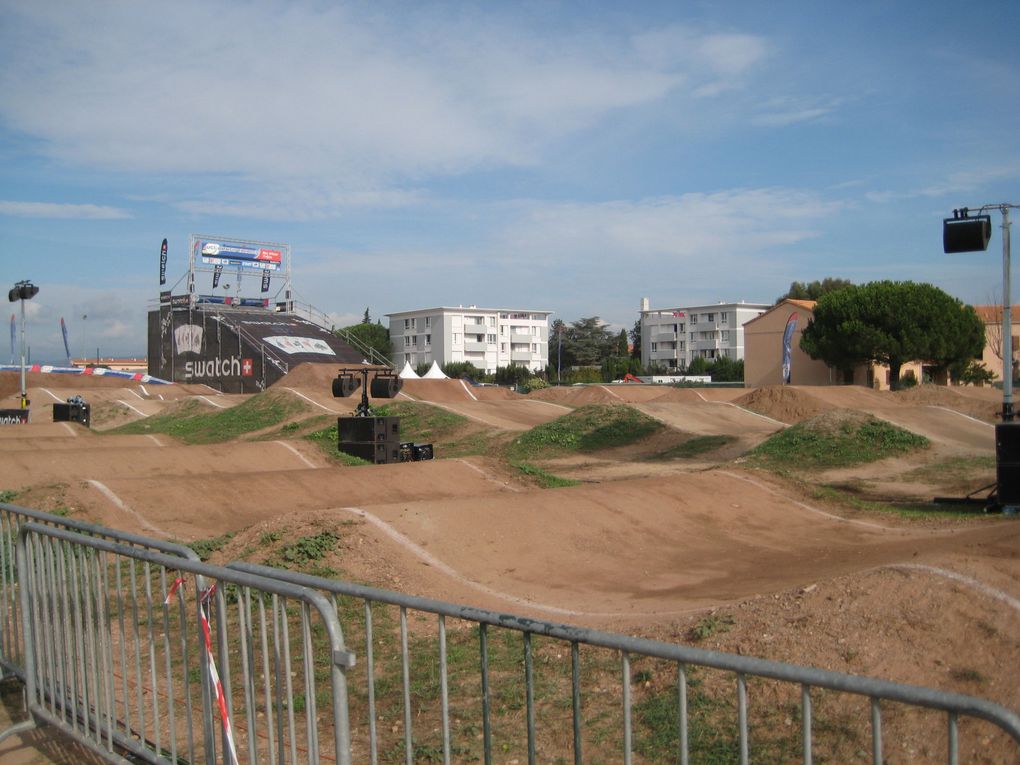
<point x="791" y="325"/>
<point x="218" y="251"/>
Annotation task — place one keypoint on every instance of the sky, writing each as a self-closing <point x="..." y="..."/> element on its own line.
<point x="562" y="156"/>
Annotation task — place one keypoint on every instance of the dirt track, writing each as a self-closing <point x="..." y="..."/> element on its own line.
<point x="649" y="551"/>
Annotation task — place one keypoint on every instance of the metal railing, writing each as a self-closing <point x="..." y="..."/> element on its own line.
<point x="133" y="649"/>
<point x="12" y="517"/>
<point x="556" y="692"/>
<point x="114" y="640"/>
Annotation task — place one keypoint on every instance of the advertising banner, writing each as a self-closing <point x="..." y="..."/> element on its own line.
<point x="162" y="263"/>
<point x="67" y="347"/>
<point x="14" y="331"/>
<point x="265" y="282"/>
<point x="791" y="325"/>
<point x="217" y="271"/>
<point x="218" y="251"/>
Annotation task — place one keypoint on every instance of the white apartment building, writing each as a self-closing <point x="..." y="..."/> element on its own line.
<point x="486" y="337"/>
<point x="674" y="337"/>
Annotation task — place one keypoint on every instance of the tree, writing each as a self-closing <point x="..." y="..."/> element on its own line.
<point x="366" y="319"/>
<point x="622" y="344"/>
<point x="635" y="339"/>
<point x="586" y="342"/>
<point x="374" y="336"/>
<point x="814" y="290"/>
<point x="892" y="323"/>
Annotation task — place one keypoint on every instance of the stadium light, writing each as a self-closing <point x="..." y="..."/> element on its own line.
<point x="23" y="290"/>
<point x="385" y="384"/>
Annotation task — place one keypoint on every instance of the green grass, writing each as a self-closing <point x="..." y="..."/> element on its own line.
<point x="327" y="440"/>
<point x="204" y="548"/>
<point x="588" y="429"/>
<point x="422" y="422"/>
<point x="544" y="478"/>
<point x="194" y="424"/>
<point x="905" y="509"/>
<point x="835" y="440"/>
<point x="696" y="447"/>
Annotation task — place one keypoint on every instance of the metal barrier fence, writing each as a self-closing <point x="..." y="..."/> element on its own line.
<point x="113" y="655"/>
<point x="460" y="690"/>
<point x="11" y="519"/>
<point x="127" y="649"/>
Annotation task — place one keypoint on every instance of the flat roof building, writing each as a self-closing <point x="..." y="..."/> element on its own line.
<point x="488" y="338"/>
<point x="674" y="337"/>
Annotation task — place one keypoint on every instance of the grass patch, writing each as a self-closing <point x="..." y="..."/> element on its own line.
<point x="696" y="447"/>
<point x="836" y="439"/>
<point x="192" y="423"/>
<point x="544" y="478"/>
<point x="903" y="509"/>
<point x="304" y="551"/>
<point x="327" y="440"/>
<point x="588" y="429"/>
<point x="422" y="422"/>
<point x="205" y="548"/>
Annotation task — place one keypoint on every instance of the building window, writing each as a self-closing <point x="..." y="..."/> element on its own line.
<point x="407" y="323"/>
<point x="492" y="321"/>
<point x="711" y="317"/>
<point x="655" y="347"/>
<point x="456" y="338"/>
<point x="725" y="336"/>
<point x="724" y="317"/>
<point x="502" y="347"/>
<point x="407" y="341"/>
<point x="428" y="339"/>
<point x="490" y="338"/>
<point x="428" y="322"/>
<point x="694" y="318"/>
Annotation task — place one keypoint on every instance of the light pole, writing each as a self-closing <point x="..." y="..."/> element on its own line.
<point x="23" y="290"/>
<point x="963" y="233"/>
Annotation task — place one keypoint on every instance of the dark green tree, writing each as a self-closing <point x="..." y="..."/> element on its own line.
<point x="366" y="319"/>
<point x="635" y="339"/>
<point x="622" y="344"/>
<point x="586" y="342"/>
<point x="374" y="336"/>
<point x="814" y="290"/>
<point x="892" y="323"/>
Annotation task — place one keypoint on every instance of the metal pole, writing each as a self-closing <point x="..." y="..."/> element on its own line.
<point x="1007" y="324"/>
<point x="24" y="394"/>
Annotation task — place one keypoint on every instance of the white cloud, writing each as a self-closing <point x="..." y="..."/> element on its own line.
<point x="53" y="210"/>
<point x="781" y="112"/>
<point x="278" y="90"/>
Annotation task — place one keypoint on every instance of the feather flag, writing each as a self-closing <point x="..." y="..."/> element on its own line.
<point x="14" y="330"/>
<point x="67" y="347"/>
<point x="162" y="263"/>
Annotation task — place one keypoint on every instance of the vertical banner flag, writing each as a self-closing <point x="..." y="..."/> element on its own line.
<point x="162" y="263"/>
<point x="14" y="330"/>
<point x="791" y="325"/>
<point x="67" y="347"/>
<point x="265" y="281"/>
<point x="217" y="270"/>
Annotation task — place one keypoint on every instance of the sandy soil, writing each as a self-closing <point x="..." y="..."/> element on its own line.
<point x="647" y="548"/>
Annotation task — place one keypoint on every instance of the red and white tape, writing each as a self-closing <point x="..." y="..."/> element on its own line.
<point x="214" y="677"/>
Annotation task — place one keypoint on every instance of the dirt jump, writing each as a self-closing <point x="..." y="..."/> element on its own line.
<point x="649" y="548"/>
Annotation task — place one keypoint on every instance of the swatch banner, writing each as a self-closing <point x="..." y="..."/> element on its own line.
<point x="217" y="270"/>
<point x="265" y="281"/>
<point x="162" y="263"/>
<point x="791" y="325"/>
<point x="67" y="347"/>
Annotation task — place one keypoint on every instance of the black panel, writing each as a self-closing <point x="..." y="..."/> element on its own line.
<point x="378" y="452"/>
<point x="1007" y="462"/>
<point x="364" y="429"/>
<point x="966" y="234"/>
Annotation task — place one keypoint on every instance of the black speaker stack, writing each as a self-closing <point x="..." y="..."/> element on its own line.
<point x="75" y="410"/>
<point x="1007" y="462"/>
<point x="377" y="440"/>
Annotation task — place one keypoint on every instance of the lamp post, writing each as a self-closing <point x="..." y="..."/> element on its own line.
<point x="964" y="233"/>
<point x="23" y="290"/>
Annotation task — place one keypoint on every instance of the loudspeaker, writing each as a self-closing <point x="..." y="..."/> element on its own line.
<point x="966" y="234"/>
<point x="377" y="452"/>
<point x="365" y="429"/>
<point x="387" y="386"/>
<point x="345" y="385"/>
<point x="81" y="413"/>
<point x="1007" y="462"/>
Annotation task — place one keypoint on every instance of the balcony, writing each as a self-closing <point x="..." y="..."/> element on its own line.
<point x="472" y="346"/>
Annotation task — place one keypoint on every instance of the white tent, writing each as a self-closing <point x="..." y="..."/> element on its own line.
<point x="407" y="373"/>
<point x="434" y="373"/>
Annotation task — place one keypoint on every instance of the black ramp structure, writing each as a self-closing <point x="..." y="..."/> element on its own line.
<point x="236" y="349"/>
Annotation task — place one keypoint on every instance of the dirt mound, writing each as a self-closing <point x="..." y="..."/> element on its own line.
<point x="939" y="395"/>
<point x="577" y="396"/>
<point x="318" y="377"/>
<point x="783" y="403"/>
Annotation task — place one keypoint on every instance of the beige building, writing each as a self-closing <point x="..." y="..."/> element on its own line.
<point x="765" y="355"/>
<point x="991" y="315"/>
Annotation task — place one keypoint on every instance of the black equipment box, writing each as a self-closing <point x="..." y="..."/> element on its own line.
<point x="1007" y="462"/>
<point x="362" y="429"/>
<point x="81" y="413"/>
<point x="376" y="452"/>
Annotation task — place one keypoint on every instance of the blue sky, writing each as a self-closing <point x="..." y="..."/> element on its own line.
<point x="565" y="156"/>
